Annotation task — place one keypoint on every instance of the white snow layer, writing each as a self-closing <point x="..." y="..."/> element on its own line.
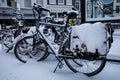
<point x="92" y="35"/>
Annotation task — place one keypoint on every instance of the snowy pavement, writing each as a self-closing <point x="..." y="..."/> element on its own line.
<point x="12" y="69"/>
<point x="110" y="72"/>
<point x="112" y="69"/>
<point x="114" y="52"/>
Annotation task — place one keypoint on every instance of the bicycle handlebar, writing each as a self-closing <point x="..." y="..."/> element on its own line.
<point x="39" y="8"/>
<point x="51" y="24"/>
<point x="45" y="9"/>
<point x="18" y="16"/>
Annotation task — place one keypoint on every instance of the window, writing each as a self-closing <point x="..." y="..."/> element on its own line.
<point x="3" y="1"/>
<point x="27" y="3"/>
<point x="52" y="1"/>
<point x="53" y="15"/>
<point x="77" y="5"/>
<point x="40" y="2"/>
<point x="117" y="9"/>
<point x="69" y="2"/>
<point x="118" y="1"/>
<point x="9" y="3"/>
<point x="60" y="1"/>
<point x="60" y="15"/>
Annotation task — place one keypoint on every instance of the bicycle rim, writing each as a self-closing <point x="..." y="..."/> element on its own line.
<point x="89" y="68"/>
<point x="76" y="64"/>
<point x="8" y="43"/>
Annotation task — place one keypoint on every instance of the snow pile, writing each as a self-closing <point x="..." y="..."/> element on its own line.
<point x="92" y="36"/>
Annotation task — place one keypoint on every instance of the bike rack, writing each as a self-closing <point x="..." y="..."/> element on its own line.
<point x="113" y="60"/>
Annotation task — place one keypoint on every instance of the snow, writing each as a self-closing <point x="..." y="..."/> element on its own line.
<point x="12" y="69"/>
<point x="111" y="69"/>
<point x="110" y="72"/>
<point x="115" y="48"/>
<point x="92" y="35"/>
<point x="73" y="12"/>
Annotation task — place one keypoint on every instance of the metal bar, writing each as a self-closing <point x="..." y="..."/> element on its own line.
<point x="83" y="11"/>
<point x="50" y="24"/>
<point x="113" y="60"/>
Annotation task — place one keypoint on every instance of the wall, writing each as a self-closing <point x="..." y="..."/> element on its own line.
<point x="3" y="4"/>
<point x="21" y="2"/>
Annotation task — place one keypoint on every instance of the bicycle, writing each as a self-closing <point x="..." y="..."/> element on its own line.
<point x="42" y="43"/>
<point x="12" y="35"/>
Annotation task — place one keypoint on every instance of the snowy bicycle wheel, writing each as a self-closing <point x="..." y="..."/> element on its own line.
<point x="82" y="65"/>
<point x="89" y="68"/>
<point x="8" y="43"/>
<point x="25" y="51"/>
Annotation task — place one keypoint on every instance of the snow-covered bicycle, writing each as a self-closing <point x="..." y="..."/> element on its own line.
<point x="42" y="43"/>
<point x="11" y="35"/>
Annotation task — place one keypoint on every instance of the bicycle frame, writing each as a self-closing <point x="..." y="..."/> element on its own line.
<point x="74" y="58"/>
<point x="18" y="20"/>
<point x="12" y="41"/>
<point x="53" y="46"/>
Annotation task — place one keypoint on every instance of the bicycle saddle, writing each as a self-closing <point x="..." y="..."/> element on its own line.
<point x="72" y="14"/>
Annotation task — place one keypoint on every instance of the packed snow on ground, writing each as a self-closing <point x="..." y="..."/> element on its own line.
<point x="111" y="69"/>
<point x="12" y="69"/>
<point x="114" y="52"/>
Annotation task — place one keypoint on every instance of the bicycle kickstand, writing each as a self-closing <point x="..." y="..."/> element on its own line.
<point x="59" y="64"/>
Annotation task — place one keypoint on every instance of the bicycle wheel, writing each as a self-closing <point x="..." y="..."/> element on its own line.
<point x="8" y="43"/>
<point x="88" y="67"/>
<point x="24" y="50"/>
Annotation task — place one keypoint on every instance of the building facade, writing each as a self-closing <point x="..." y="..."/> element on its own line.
<point x="56" y="7"/>
<point x="95" y="9"/>
<point x="101" y="10"/>
<point x="116" y="7"/>
<point x="8" y="7"/>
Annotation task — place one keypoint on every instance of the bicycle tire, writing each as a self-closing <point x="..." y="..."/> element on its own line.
<point x="80" y="66"/>
<point x="29" y="54"/>
<point x="45" y="56"/>
<point x="8" y="43"/>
